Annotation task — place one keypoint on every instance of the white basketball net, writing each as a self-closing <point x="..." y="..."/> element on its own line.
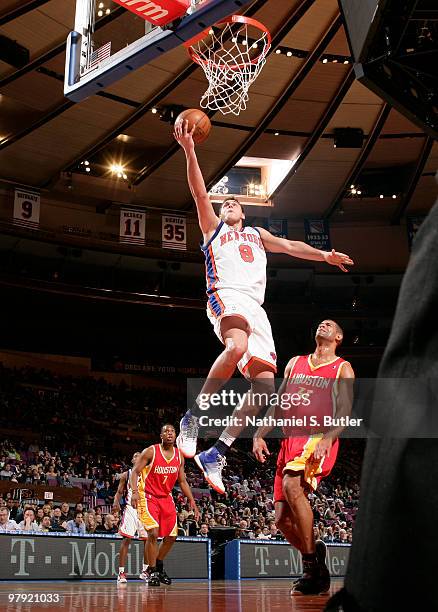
<point x="231" y="61"/>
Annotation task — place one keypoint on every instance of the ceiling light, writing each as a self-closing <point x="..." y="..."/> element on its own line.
<point x="255" y="46"/>
<point x="88" y="169"/>
<point x="325" y="61"/>
<point x="354" y="191"/>
<point x="154" y="111"/>
<point x="289" y="53"/>
<point x="381" y="196"/>
<point x="335" y="61"/>
<point x="99" y="13"/>
<point x="108" y="11"/>
<point x="346" y="62"/>
<point x="278" y="51"/>
<point x="277" y="134"/>
<point x="394" y="197"/>
<point x="359" y="192"/>
<point x="351" y="186"/>
<point x="87" y="163"/>
<point x="117" y="169"/>
<point x="244" y="42"/>
<point x="101" y="5"/>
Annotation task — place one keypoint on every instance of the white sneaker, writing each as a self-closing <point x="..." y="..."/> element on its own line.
<point x="188" y="435"/>
<point x="144" y="576"/>
<point x="211" y="462"/>
<point x="121" y="578"/>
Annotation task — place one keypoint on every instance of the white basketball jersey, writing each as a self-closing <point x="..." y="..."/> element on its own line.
<point x="236" y="260"/>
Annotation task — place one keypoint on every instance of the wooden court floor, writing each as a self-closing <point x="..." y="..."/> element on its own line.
<point x="217" y="596"/>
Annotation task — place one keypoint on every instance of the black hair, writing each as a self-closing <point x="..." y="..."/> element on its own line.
<point x="167" y="425"/>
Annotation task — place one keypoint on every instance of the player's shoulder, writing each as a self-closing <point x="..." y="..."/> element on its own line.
<point x="346" y="369"/>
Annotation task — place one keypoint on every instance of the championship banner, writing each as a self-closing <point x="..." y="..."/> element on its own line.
<point x="277" y="227"/>
<point x="174" y="232"/>
<point x="413" y="225"/>
<point x="27" y="208"/>
<point x="132" y="226"/>
<point x="317" y="234"/>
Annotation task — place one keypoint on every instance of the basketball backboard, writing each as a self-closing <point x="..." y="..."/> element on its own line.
<point x="109" y="41"/>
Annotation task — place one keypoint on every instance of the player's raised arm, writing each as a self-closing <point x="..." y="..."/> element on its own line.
<point x="143" y="460"/>
<point x="186" y="490"/>
<point x="120" y="490"/>
<point x="208" y="220"/>
<point x="301" y="250"/>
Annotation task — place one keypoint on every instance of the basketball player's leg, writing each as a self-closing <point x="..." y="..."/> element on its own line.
<point x="258" y="365"/>
<point x="285" y="522"/>
<point x="234" y="332"/>
<point x="128" y="530"/>
<point x="152" y="553"/>
<point x="301" y="511"/>
<point x="123" y="554"/>
<point x="168" y="531"/>
<point x="316" y="577"/>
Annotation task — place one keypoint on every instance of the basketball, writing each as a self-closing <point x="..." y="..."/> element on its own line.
<point x="198" y="118"/>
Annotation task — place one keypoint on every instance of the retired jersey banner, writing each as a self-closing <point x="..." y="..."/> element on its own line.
<point x="277" y="227"/>
<point x="174" y="232"/>
<point x="317" y="234"/>
<point x="132" y="226"/>
<point x="413" y="225"/>
<point x="27" y="208"/>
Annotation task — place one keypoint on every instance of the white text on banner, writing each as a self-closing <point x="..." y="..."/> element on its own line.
<point x="174" y="232"/>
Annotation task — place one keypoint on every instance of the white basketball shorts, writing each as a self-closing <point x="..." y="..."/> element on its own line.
<point x="131" y="526"/>
<point x="227" y="302"/>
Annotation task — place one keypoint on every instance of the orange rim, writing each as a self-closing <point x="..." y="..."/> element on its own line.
<point x="233" y="19"/>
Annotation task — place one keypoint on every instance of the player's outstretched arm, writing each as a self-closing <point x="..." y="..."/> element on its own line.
<point x="186" y="490"/>
<point x="259" y="447"/>
<point x="119" y="493"/>
<point x="301" y="250"/>
<point x="208" y="220"/>
<point x="142" y="461"/>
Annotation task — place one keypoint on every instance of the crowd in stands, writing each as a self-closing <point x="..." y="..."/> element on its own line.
<point x="64" y="411"/>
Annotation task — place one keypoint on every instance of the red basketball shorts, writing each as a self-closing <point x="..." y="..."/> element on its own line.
<point x="296" y="455"/>
<point x="158" y="512"/>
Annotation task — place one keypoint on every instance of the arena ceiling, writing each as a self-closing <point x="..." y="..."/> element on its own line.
<point x="295" y="105"/>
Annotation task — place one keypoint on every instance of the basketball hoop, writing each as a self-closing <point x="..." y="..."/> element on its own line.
<point x="232" y="54"/>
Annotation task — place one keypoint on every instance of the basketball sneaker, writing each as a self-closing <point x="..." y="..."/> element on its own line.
<point x="315" y="581"/>
<point x="211" y="463"/>
<point x="164" y="578"/>
<point x="154" y="579"/>
<point x="188" y="435"/>
<point x="321" y="553"/>
<point x="144" y="576"/>
<point x="121" y="578"/>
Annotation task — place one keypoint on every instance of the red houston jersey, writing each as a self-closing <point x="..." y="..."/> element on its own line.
<point x="310" y="395"/>
<point x="159" y="477"/>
